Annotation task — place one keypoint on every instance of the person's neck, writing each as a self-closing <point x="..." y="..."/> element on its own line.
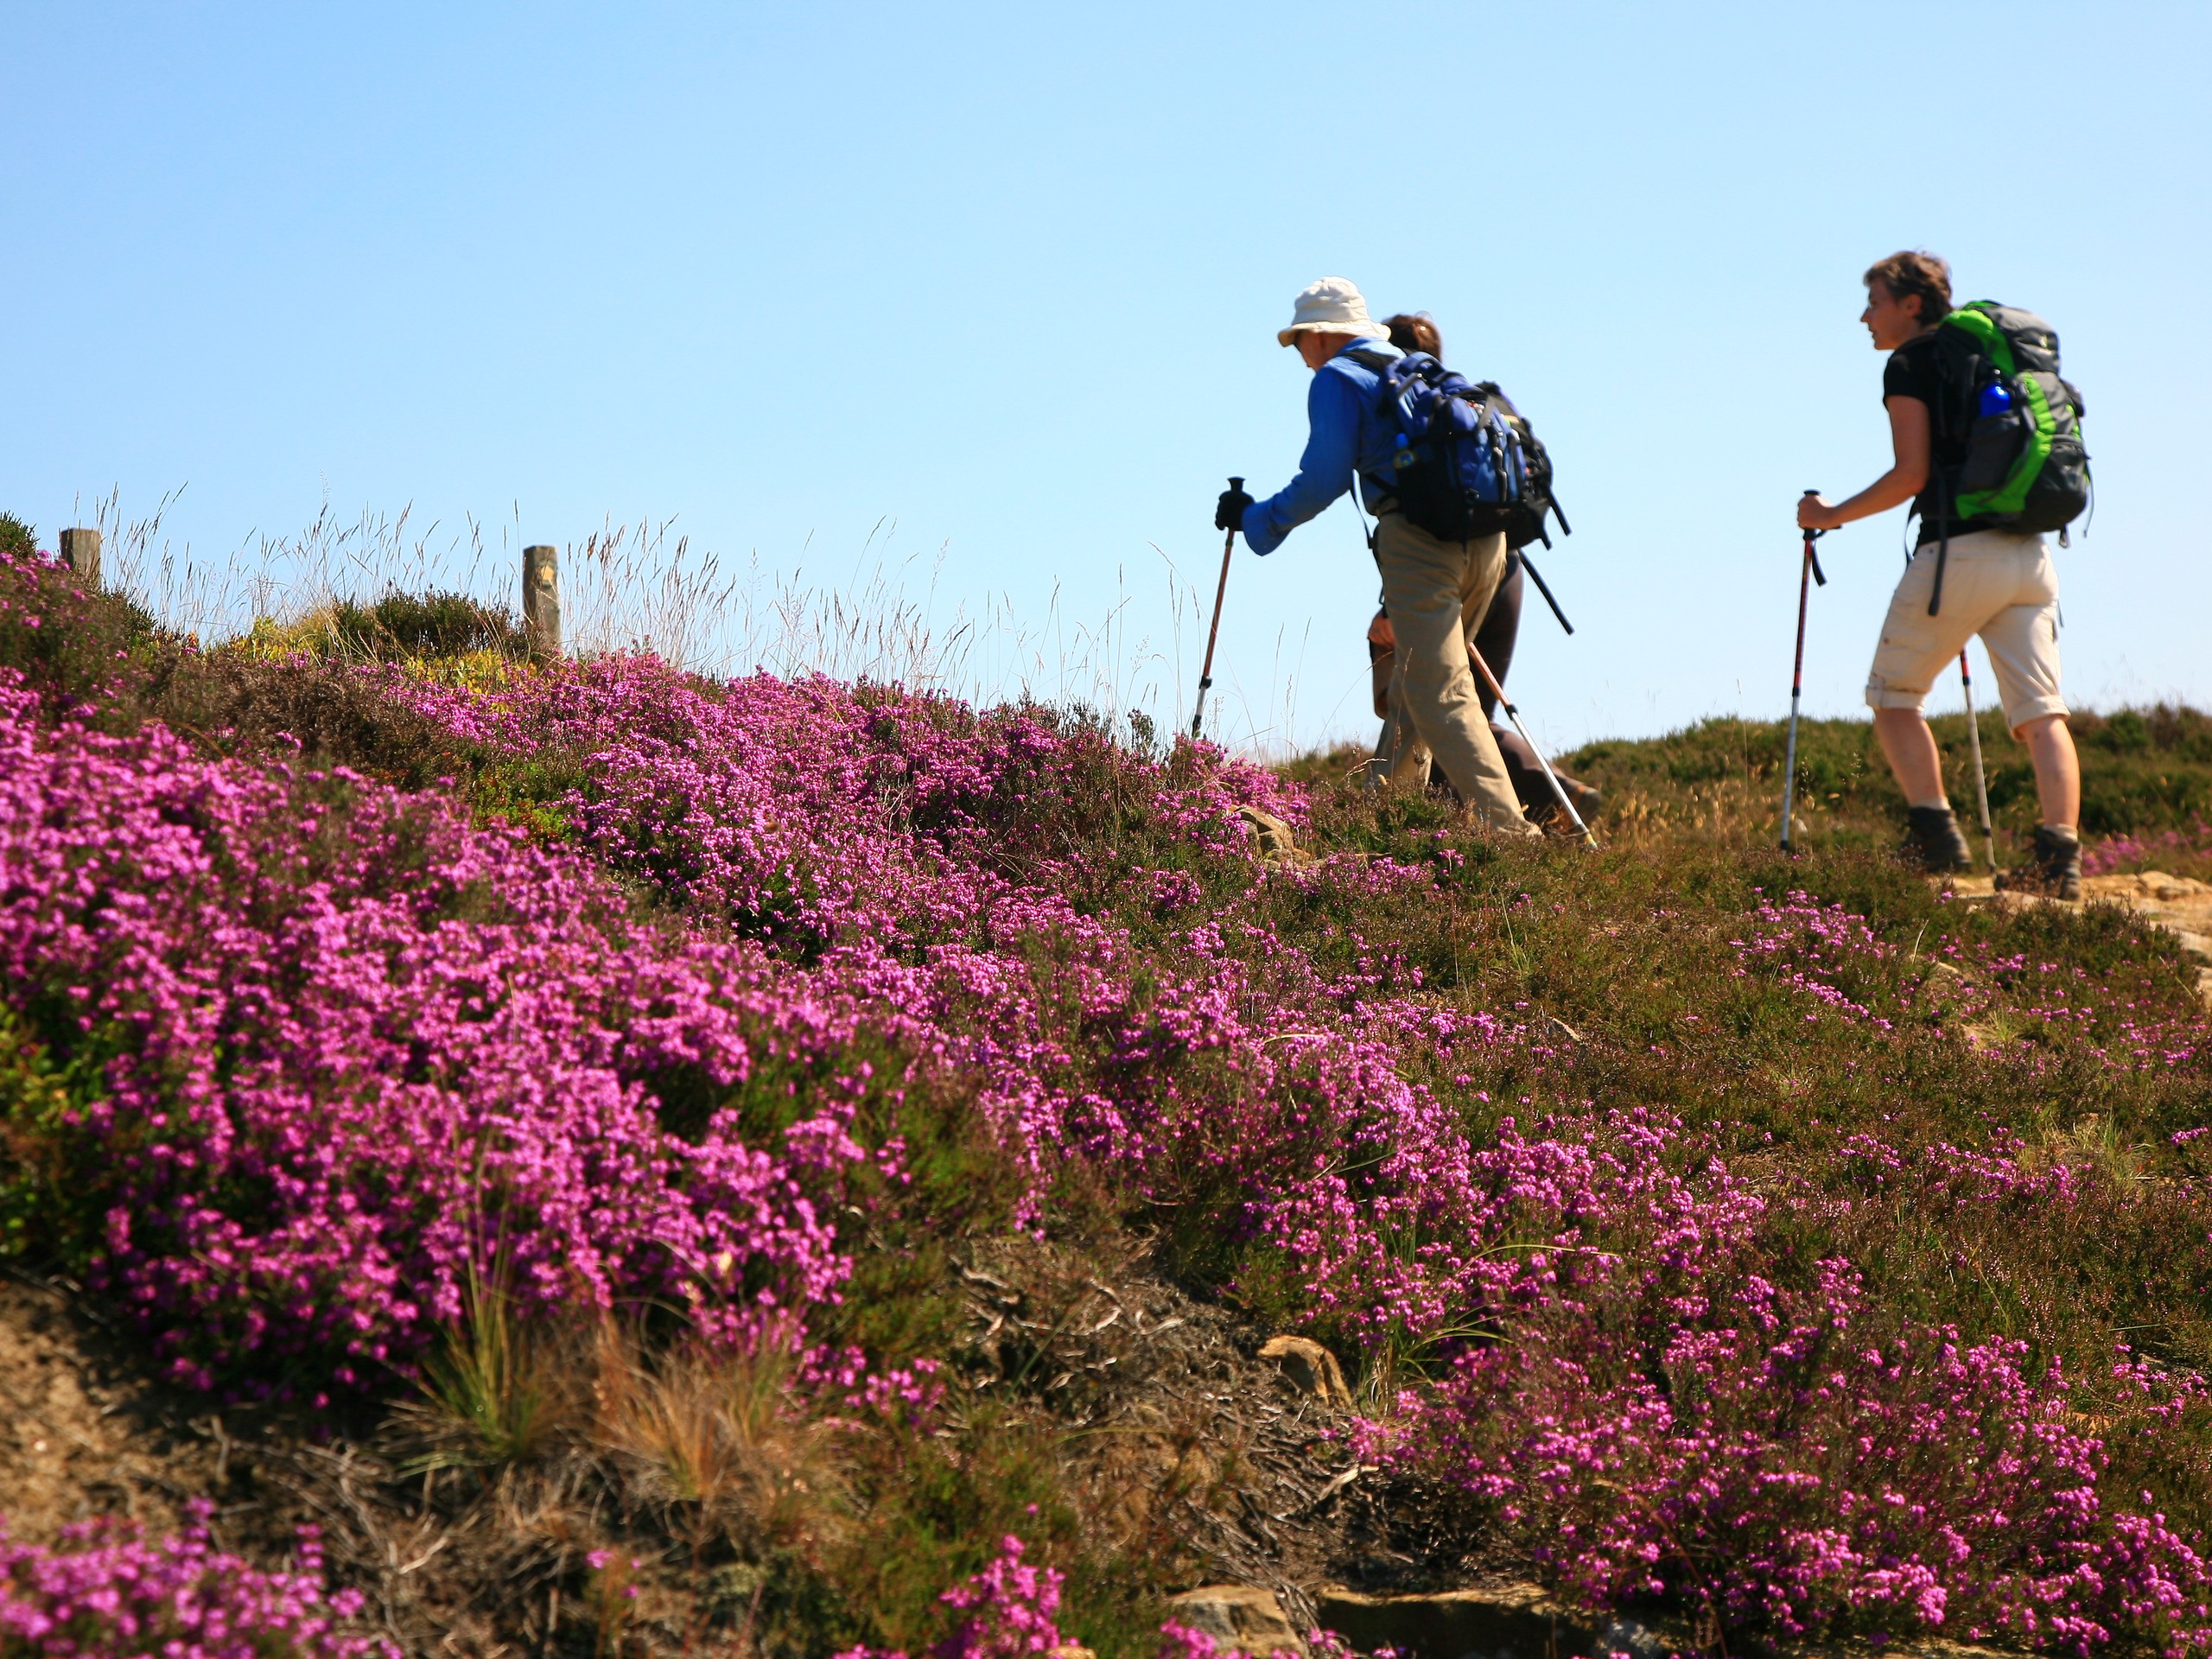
<point x="1326" y="346"/>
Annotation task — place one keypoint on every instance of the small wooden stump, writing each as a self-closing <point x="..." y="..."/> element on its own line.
<point x="82" y="549"/>
<point x="541" y="599"/>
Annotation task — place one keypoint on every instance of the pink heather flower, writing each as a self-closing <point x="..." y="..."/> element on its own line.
<point x="104" y="1589"/>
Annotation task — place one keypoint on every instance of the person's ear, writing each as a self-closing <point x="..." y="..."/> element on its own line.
<point x="1911" y="304"/>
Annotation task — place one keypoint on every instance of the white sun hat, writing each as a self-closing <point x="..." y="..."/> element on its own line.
<point x="1333" y="306"/>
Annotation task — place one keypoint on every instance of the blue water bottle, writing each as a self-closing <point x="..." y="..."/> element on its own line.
<point x="1996" y="400"/>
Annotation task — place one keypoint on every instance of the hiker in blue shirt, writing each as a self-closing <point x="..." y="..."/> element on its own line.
<point x="1497" y="632"/>
<point x="1437" y="591"/>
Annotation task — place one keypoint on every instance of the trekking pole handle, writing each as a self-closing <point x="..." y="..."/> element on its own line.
<point x="1812" y="535"/>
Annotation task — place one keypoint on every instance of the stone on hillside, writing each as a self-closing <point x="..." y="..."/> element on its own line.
<point x="1516" y="1621"/>
<point x="1309" y="1367"/>
<point x="1239" y="1615"/>
<point x="1626" y="1636"/>
<point x="2156" y="884"/>
<point x="1944" y="980"/>
<point x="1277" y="842"/>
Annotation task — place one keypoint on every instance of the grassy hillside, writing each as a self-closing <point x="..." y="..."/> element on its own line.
<point x="646" y="1164"/>
<point x="2147" y="775"/>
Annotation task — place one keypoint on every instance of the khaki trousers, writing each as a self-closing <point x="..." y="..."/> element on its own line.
<point x="1437" y="592"/>
<point x="1998" y="585"/>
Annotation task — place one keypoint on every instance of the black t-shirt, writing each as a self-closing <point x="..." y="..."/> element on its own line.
<point x="1913" y="370"/>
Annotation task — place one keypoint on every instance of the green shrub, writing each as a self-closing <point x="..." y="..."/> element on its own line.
<point x="17" y="539"/>
<point x="431" y="623"/>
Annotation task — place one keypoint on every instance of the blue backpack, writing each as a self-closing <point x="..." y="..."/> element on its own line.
<point x="1460" y="469"/>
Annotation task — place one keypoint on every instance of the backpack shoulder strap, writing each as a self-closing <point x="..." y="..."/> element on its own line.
<point x="1375" y="362"/>
<point x="1957" y="350"/>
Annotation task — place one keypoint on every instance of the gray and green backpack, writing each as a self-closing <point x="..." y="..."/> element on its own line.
<point x="2024" y="466"/>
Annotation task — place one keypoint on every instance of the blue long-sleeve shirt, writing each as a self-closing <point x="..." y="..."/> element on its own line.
<point x="1346" y="434"/>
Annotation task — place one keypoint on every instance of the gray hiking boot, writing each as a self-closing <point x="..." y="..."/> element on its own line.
<point x="1934" y="843"/>
<point x="2054" y="869"/>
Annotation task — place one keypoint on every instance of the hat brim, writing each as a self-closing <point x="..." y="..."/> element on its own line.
<point x="1370" y="330"/>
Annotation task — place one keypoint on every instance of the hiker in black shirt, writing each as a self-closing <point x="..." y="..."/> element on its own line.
<point x="1999" y="584"/>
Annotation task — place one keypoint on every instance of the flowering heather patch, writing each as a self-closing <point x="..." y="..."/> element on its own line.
<point x="911" y="854"/>
<point x="104" y="1591"/>
<point x="2185" y="844"/>
<point x="1790" y="1465"/>
<point x="312" y="1047"/>
<point x="1646" y="1193"/>
<point x="809" y="813"/>
<point x="1817" y="950"/>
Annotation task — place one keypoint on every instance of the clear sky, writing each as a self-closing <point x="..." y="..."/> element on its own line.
<point x="1007" y="278"/>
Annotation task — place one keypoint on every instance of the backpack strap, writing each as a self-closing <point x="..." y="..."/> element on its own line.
<point x="1957" y="354"/>
<point x="1942" y="540"/>
<point x="1379" y="365"/>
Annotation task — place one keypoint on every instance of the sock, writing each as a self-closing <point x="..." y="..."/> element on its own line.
<point x="1941" y="803"/>
<point x="2067" y="830"/>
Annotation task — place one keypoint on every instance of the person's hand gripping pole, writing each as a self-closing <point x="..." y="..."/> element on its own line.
<point x="1807" y="574"/>
<point x="1227" y="516"/>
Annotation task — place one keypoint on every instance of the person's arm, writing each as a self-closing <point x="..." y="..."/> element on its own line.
<point x="1907" y="477"/>
<point x="1324" y="471"/>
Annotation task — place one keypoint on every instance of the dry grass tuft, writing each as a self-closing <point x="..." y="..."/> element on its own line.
<point x="717" y="1440"/>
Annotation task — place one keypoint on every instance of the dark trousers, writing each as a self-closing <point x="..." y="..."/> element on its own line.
<point x="1494" y="639"/>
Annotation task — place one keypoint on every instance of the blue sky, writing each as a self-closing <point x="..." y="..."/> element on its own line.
<point x="1003" y="283"/>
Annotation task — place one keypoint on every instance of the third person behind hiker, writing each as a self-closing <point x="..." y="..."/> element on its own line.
<point x="1997" y="582"/>
<point x="1398" y="753"/>
<point x="1436" y="590"/>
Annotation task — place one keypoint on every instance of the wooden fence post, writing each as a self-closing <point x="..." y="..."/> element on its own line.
<point x="541" y="599"/>
<point x="82" y="549"/>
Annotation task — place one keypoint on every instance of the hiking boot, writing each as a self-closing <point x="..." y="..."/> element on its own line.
<point x="1934" y="843"/>
<point x="2055" y="870"/>
<point x="1545" y="813"/>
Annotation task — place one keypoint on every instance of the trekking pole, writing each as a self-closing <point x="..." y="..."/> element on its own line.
<point x="1545" y="588"/>
<point x="1550" y="777"/>
<point x="1206" y="673"/>
<point x="1805" y="577"/>
<point x="1981" y="777"/>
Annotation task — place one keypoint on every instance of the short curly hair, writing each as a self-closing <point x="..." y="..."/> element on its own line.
<point x="1915" y="272"/>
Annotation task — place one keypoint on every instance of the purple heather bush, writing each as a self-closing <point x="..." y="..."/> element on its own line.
<point x="347" y="1044"/>
<point x="1791" y="1461"/>
<point x="305" y="1051"/>
<point x="2188" y="844"/>
<point x="105" y="1592"/>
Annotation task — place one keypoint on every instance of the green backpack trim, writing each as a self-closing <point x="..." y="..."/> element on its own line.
<point x="1989" y="340"/>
